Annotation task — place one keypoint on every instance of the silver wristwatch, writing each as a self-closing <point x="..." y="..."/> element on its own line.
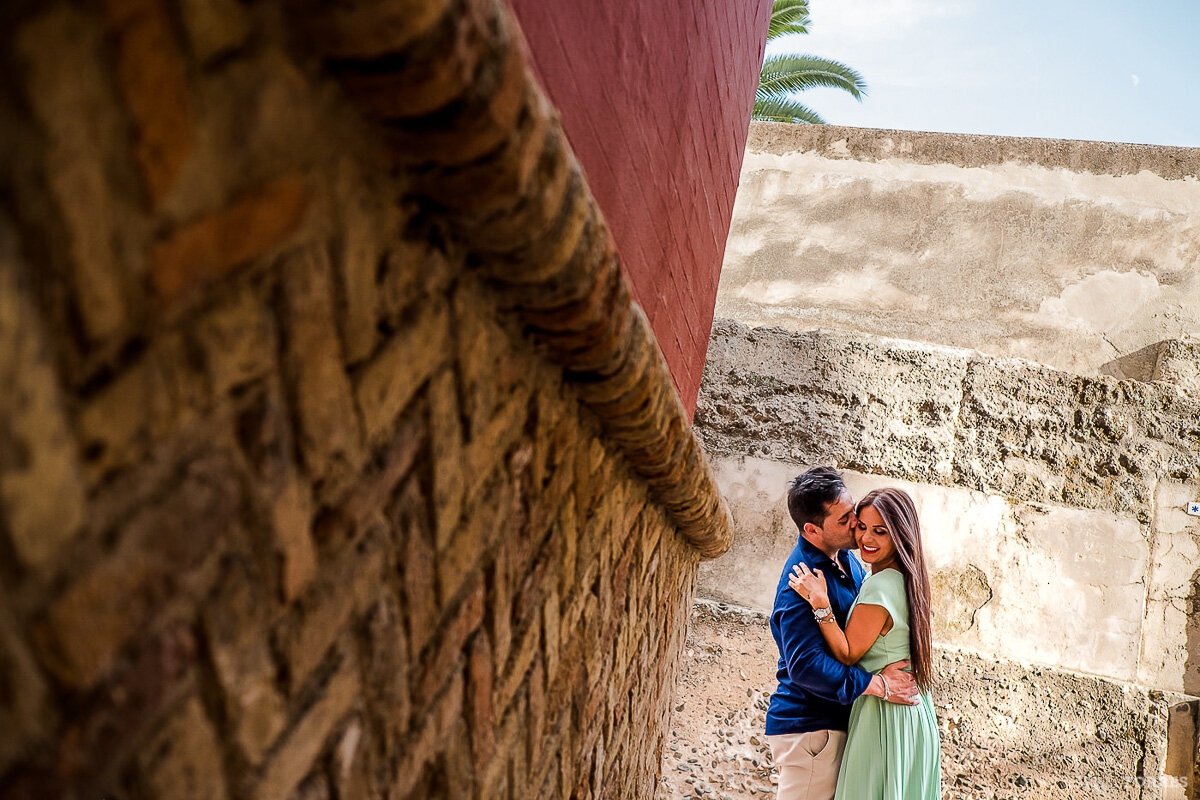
<point x="823" y="614"/>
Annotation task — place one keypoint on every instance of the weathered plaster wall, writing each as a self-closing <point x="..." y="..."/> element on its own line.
<point x="1070" y="254"/>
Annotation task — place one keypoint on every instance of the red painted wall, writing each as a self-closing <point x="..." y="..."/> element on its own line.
<point x="655" y="96"/>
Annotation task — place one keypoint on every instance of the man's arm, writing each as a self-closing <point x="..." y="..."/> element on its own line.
<point x="813" y="668"/>
<point x="809" y="663"/>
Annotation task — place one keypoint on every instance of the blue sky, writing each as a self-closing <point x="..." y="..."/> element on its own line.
<point x="1101" y="70"/>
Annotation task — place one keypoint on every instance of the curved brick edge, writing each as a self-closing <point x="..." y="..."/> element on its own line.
<point x="449" y="83"/>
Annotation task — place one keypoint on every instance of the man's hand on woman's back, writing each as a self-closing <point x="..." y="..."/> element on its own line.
<point x="894" y="685"/>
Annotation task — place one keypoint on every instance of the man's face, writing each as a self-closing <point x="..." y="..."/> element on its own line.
<point x="840" y="523"/>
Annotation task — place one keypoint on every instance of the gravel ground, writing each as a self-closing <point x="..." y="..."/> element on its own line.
<point x="716" y="747"/>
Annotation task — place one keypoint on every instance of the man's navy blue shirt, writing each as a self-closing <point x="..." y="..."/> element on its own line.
<point x="815" y="690"/>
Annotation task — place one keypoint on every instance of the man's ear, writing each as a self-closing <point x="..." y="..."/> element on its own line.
<point x="811" y="530"/>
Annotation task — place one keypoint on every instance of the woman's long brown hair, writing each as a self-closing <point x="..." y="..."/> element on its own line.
<point x="900" y="516"/>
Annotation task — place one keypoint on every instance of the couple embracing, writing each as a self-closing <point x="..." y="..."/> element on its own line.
<point x="852" y="718"/>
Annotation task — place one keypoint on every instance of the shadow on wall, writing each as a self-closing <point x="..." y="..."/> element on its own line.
<point x="1191" y="666"/>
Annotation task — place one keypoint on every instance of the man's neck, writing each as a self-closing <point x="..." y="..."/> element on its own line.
<point x="820" y="545"/>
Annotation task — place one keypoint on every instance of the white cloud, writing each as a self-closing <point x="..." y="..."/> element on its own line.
<point x="880" y="37"/>
<point x="1136" y="79"/>
<point x="881" y="20"/>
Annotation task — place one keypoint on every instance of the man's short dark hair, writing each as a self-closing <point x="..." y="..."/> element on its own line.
<point x="811" y="494"/>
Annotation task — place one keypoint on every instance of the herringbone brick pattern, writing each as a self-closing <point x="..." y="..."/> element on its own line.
<point x="295" y="503"/>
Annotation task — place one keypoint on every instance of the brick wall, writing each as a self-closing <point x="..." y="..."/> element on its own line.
<point x="290" y="509"/>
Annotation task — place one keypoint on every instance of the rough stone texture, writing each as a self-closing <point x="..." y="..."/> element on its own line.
<point x="1008" y="729"/>
<point x="1175" y="361"/>
<point x="879" y="403"/>
<point x="947" y="416"/>
<point x="1179" y="363"/>
<point x="1033" y="433"/>
<point x="974" y="150"/>
<point x="310" y="509"/>
<point x="1070" y="254"/>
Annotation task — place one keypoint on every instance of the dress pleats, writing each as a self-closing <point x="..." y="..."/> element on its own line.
<point x="893" y="752"/>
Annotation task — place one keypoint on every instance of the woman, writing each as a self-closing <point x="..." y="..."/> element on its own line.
<point x="893" y="752"/>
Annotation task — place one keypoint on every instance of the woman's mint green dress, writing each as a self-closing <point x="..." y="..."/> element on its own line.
<point x="893" y="752"/>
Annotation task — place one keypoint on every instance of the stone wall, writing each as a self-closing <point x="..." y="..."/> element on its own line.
<point x="1053" y="505"/>
<point x="291" y="508"/>
<point x="1070" y="254"/>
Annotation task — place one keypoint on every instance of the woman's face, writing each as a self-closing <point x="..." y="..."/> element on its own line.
<point x="874" y="541"/>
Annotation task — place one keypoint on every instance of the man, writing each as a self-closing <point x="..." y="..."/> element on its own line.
<point x="810" y="710"/>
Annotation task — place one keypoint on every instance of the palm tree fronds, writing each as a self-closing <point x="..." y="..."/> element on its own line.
<point x="785" y="73"/>
<point x="788" y="17"/>
<point x="785" y="109"/>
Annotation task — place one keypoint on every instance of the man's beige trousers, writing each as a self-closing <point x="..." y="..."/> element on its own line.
<point x="807" y="763"/>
